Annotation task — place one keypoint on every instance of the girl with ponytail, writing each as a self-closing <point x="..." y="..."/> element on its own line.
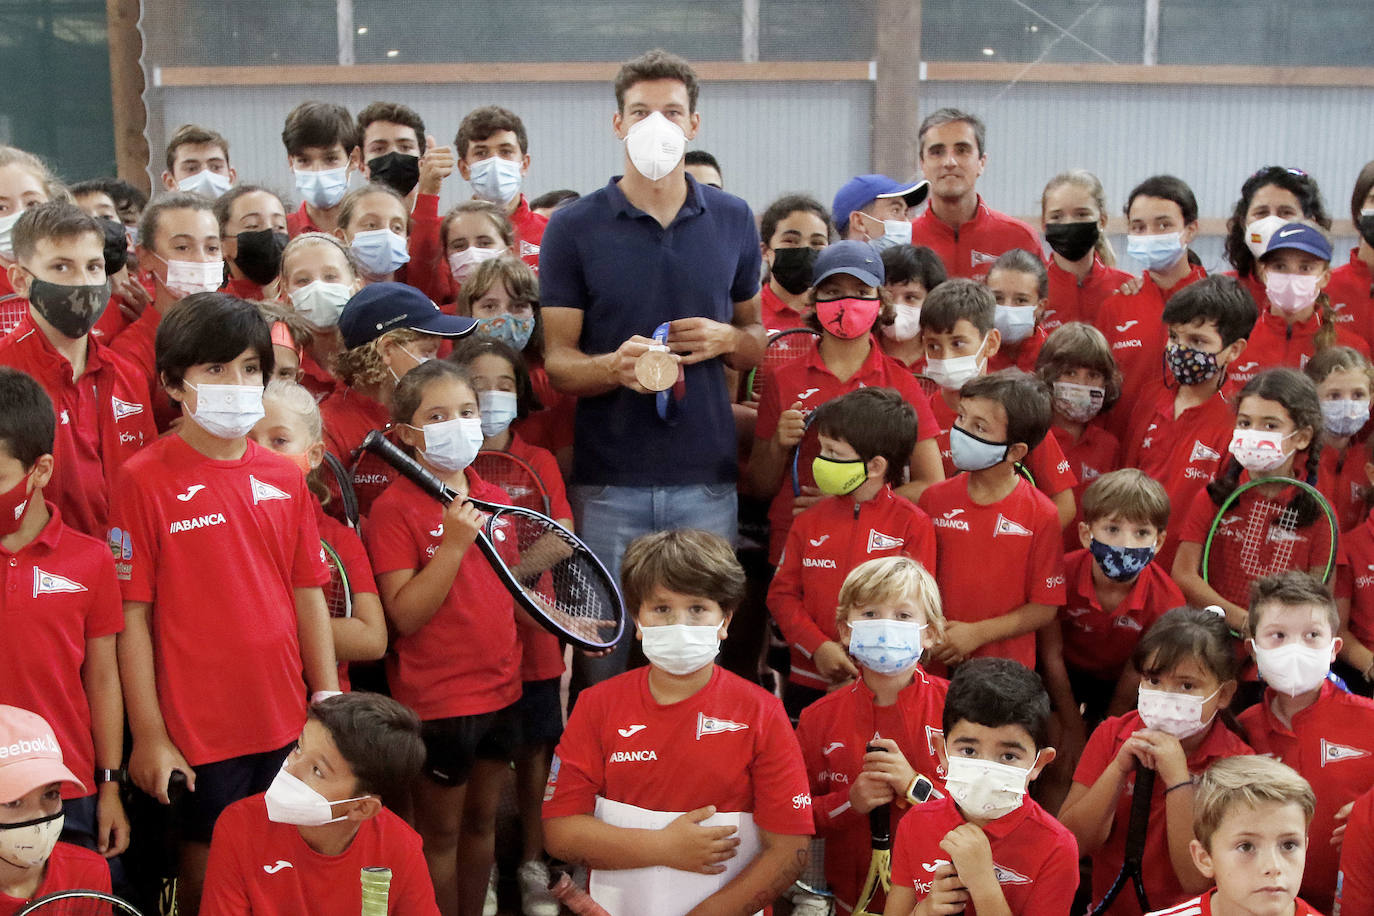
<point x="1083" y="271"/>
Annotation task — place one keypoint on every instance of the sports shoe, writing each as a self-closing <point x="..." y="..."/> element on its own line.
<point x="490" y="906"/>
<point x="535" y="899"/>
<point x="804" y="904"/>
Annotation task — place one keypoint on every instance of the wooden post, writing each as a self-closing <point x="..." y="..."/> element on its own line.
<point x="126" y="91"/>
<point x="897" y="93"/>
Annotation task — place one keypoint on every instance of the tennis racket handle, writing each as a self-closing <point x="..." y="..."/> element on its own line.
<point x="407" y="467"/>
<point x="1139" y="821"/>
<point x="376" y="890"/>
<point x="575" y="899"/>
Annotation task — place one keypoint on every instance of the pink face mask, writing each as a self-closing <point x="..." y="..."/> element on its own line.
<point x="1292" y="293"/>
<point x="849" y="318"/>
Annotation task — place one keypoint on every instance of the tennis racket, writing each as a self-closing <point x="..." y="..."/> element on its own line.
<point x="803" y="453"/>
<point x="376" y="883"/>
<point x="556" y="577"/>
<point x="13" y="308"/>
<point x="783" y="347"/>
<point x="516" y="476"/>
<point x="575" y="899"/>
<point x="1131" y="861"/>
<point x="1268" y="526"/>
<point x="338" y="596"/>
<point x="880" y="863"/>
<point x="80" y="903"/>
<point x="929" y="386"/>
<point x="343" y="485"/>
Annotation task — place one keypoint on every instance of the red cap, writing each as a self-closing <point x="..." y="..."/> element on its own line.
<point x="29" y="754"/>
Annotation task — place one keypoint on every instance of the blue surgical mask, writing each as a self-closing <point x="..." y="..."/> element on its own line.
<point x="508" y="329"/>
<point x="380" y="251"/>
<point x="498" y="409"/>
<point x="1120" y="564"/>
<point x="971" y="453"/>
<point x="886" y="646"/>
<point x="1345" y="417"/>
<point x="1156" y="252"/>
<point x="322" y="189"/>
<point x="895" y="232"/>
<point x="450" y="445"/>
<point x="496" y="180"/>
<point x="1015" y="322"/>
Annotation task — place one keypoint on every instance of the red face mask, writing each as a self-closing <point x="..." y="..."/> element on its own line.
<point x="849" y="318"/>
<point x="13" y="504"/>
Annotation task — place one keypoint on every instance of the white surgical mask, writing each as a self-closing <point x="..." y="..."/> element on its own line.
<point x="886" y="646"/>
<point x="185" y="278"/>
<point x="1156" y="252"/>
<point x="1291" y="292"/>
<point x="680" y="648"/>
<point x="320" y="303"/>
<point x="1079" y="403"/>
<point x="1015" y="322"/>
<point x="1293" y="669"/>
<point x="906" y="325"/>
<point x="227" y="411"/>
<point x="380" y="251"/>
<point x="30" y="843"/>
<point x="498" y="411"/>
<point x="291" y="801"/>
<point x="1177" y="714"/>
<point x="895" y="232"/>
<point x="655" y="145"/>
<point x="1345" y="417"/>
<point x="1258" y="451"/>
<point x="322" y="189"/>
<point x="496" y="180"/>
<point x="450" y="445"/>
<point x="1258" y="233"/>
<point x="985" y="788"/>
<point x="205" y="183"/>
<point x="461" y="263"/>
<point x="951" y="374"/>
<point x="7" y="234"/>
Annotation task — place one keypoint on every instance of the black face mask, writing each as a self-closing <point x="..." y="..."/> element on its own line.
<point x="792" y="268"/>
<point x="1366" y="227"/>
<point x="259" y="254"/>
<point x="72" y="310"/>
<point x="399" y="170"/>
<point x="1071" y="241"/>
<point x="116" y="246"/>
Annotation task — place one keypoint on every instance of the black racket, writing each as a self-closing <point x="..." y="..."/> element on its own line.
<point x="783" y="347"/>
<point x="80" y="903"/>
<point x="880" y="862"/>
<point x="557" y="578"/>
<point x="516" y="476"/>
<point x="338" y="595"/>
<point x="1132" y="860"/>
<point x="343" y="485"/>
<point x="803" y="453"/>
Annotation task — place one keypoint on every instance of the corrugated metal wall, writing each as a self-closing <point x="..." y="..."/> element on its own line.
<point x="778" y="137"/>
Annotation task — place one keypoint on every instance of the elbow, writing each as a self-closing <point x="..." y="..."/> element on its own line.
<point x="558" y="840"/>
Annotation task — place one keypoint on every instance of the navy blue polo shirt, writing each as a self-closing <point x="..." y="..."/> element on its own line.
<point x="627" y="273"/>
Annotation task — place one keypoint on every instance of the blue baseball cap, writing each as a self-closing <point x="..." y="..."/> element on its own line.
<point x="1300" y="237"/>
<point x="384" y="307"/>
<point x="858" y="259"/>
<point x="859" y="192"/>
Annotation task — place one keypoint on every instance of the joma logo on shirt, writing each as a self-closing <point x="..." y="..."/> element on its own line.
<point x="633" y="757"/>
<point x="200" y="521"/>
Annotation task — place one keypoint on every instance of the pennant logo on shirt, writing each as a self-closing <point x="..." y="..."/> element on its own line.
<point x="262" y="492"/>
<point x="710" y="725"/>
<point x="1335" y="753"/>
<point x="1008" y="527"/>
<point x="549" y="787"/>
<point x="977" y="257"/>
<point x="1127" y="622"/>
<point x="1089" y="473"/>
<point x="1203" y="453"/>
<point x="123" y="409"/>
<point x="1008" y="876"/>
<point x="879" y="541"/>
<point x="46" y="583"/>
<point x="528" y="248"/>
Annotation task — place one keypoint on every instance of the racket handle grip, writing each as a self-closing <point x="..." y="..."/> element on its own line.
<point x="407" y="467"/>
<point x="376" y="883"/>
<point x="1139" y="820"/>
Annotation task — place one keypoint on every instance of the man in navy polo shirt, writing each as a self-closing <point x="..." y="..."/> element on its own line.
<point x="653" y="254"/>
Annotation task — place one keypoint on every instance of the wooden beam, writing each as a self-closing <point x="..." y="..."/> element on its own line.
<point x="897" y="92"/>
<point x="126" y="92"/>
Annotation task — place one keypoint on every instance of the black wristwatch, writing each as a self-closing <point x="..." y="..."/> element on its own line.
<point x="104" y="776"/>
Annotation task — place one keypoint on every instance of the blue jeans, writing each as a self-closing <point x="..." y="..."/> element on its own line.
<point x="609" y="518"/>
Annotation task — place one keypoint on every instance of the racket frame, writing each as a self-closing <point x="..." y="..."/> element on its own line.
<point x="1311" y="491"/>
<point x="347" y="497"/>
<point x="522" y="464"/>
<point x="118" y="905"/>
<point x="749" y="391"/>
<point x="336" y="562"/>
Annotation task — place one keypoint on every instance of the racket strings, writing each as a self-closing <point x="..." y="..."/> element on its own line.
<point x="1268" y="533"/>
<point x="560" y="576"/>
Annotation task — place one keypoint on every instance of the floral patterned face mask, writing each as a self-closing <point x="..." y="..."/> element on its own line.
<point x="1189" y="366"/>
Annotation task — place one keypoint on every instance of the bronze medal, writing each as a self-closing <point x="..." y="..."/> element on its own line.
<point x="656" y="369"/>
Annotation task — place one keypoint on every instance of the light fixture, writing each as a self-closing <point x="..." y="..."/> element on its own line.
<point x="362" y="30"/>
<point x="393" y="53"/>
<point x="988" y="52"/>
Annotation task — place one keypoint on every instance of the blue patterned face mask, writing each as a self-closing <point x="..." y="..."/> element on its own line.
<point x="508" y="329"/>
<point x="1120" y="564"/>
<point x="886" y="646"/>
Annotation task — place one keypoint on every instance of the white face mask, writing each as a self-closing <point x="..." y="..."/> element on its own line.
<point x="907" y="324"/>
<point x="227" y="411"/>
<point x="895" y="232"/>
<point x="1259" y="451"/>
<point x="323" y="189"/>
<point x="450" y="445"/>
<point x="496" y="180"/>
<point x="7" y="234"/>
<point x="498" y="410"/>
<point x="291" y="801"/>
<point x="1291" y="293"/>
<point x="1258" y="233"/>
<point x="1177" y="714"/>
<point x="29" y="844"/>
<point x="886" y="646"/>
<point x="1015" y="322"/>
<point x="461" y="263"/>
<point x="1293" y="669"/>
<point x="185" y="278"/>
<point x="951" y="374"/>
<point x="1156" y="252"/>
<point x="1345" y="417"/>
<point x="380" y="251"/>
<point x="1079" y="403"/>
<point x="656" y="146"/>
<point x="320" y="303"/>
<point x="985" y="788"/>
<point x="679" y="648"/>
<point x="205" y="183"/>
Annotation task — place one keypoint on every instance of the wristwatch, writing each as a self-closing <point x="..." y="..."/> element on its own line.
<point x="104" y="776"/>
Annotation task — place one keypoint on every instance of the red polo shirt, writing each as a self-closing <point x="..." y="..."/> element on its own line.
<point x="778" y="315"/>
<point x="348" y="417"/>
<point x="1093" y="454"/>
<point x="1072" y="299"/>
<point x="1351" y="291"/>
<point x="970" y="250"/>
<point x="1100" y="642"/>
<point x="1202" y="906"/>
<point x="1355" y="884"/>
<point x="541" y="651"/>
<point x="69" y="868"/>
<point x="1341" y="479"/>
<point x="299" y="222"/>
<point x="1274" y="342"/>
<point x="1355" y="578"/>
<point x="1020" y="355"/>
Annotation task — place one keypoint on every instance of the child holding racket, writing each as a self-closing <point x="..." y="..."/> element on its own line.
<point x="1250" y="827"/>
<point x="986" y="847"/>
<point x="888" y="610"/>
<point x="1269" y="528"/>
<point x="1305" y="720"/>
<point x="865" y="436"/>
<point x="291" y="427"/>
<point x="1344" y="380"/>
<point x="318" y="277"/>
<point x="455" y="658"/>
<point x="1188" y="667"/>
<point x="299" y="847"/>
<point x="680" y="764"/>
